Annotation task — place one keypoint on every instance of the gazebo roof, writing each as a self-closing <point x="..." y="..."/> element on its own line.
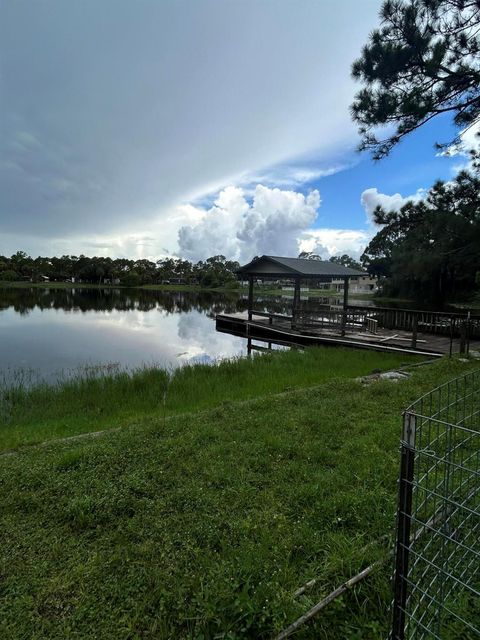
<point x="277" y="266"/>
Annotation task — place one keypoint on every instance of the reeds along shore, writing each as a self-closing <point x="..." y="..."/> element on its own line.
<point x="104" y="397"/>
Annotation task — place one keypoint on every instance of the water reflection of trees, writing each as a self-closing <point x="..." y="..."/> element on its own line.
<point x="80" y="300"/>
<point x="24" y="300"/>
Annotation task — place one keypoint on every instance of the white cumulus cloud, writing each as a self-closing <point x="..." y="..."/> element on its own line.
<point x="372" y="198"/>
<point x="469" y="140"/>
<point x="272" y="223"/>
<point x="327" y="242"/>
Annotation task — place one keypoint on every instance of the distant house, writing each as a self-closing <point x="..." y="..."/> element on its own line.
<point x="186" y="281"/>
<point x="292" y="288"/>
<point x="358" y="284"/>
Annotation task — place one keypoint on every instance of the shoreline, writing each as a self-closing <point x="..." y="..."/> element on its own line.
<point x="99" y="397"/>
<point x="176" y="288"/>
<point x="474" y="305"/>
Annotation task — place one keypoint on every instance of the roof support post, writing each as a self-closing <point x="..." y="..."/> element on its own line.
<point x="296" y="302"/>
<point x="345" y="304"/>
<point x="250" y="297"/>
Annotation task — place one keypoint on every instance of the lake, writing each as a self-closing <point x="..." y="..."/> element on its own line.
<point x="54" y="332"/>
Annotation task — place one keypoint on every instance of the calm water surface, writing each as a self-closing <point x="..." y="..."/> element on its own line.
<point x="56" y="331"/>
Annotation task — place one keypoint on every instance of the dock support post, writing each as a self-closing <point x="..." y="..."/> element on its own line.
<point x="296" y="303"/>
<point x="345" y="304"/>
<point x="250" y="297"/>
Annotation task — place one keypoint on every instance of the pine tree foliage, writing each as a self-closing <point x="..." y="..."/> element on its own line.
<point x="430" y="249"/>
<point x="423" y="60"/>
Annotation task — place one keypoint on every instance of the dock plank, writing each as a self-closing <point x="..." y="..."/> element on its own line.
<point x="276" y="329"/>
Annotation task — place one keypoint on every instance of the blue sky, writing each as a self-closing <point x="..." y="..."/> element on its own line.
<point x="353" y="186"/>
<point x="413" y="164"/>
<point x="136" y="128"/>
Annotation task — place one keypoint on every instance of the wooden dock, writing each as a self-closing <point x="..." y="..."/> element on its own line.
<point x="422" y="339"/>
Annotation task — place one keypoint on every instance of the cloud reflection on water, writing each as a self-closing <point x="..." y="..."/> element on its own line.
<point x="51" y="336"/>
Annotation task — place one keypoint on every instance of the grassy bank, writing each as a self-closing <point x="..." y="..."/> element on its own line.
<point x="473" y="303"/>
<point x="204" y="525"/>
<point x="85" y="285"/>
<point x="54" y="285"/>
<point x="99" y="399"/>
<point x="166" y="287"/>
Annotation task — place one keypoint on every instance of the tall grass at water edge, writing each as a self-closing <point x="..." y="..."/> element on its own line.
<point x="103" y="397"/>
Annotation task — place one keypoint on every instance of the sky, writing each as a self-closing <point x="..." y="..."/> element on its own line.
<point x="146" y="129"/>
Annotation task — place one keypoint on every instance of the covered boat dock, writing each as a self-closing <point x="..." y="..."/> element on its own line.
<point x="296" y="270"/>
<point x="401" y="330"/>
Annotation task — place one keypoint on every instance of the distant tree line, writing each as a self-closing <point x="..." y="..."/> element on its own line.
<point x="214" y="272"/>
<point x="345" y="259"/>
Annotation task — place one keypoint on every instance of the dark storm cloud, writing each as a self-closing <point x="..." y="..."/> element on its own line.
<point x="113" y="111"/>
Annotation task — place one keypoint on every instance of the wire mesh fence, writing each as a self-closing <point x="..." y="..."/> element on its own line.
<point x="437" y="560"/>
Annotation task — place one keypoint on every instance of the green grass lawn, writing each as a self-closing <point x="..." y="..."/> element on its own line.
<point x="88" y="285"/>
<point x="232" y="289"/>
<point x="202" y="525"/>
<point x="101" y="399"/>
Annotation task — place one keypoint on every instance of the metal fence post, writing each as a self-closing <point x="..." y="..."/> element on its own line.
<point x="403" y="526"/>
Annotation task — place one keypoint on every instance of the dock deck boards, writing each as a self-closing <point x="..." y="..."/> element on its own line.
<point x="280" y="331"/>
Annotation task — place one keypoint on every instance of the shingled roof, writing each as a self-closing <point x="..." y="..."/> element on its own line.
<point x="278" y="266"/>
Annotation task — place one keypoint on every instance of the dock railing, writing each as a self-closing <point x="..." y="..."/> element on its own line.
<point x="321" y="319"/>
<point x="457" y="328"/>
<point x="333" y="319"/>
<point x="436" y="322"/>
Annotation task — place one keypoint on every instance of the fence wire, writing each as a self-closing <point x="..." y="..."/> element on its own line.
<point x="437" y="563"/>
